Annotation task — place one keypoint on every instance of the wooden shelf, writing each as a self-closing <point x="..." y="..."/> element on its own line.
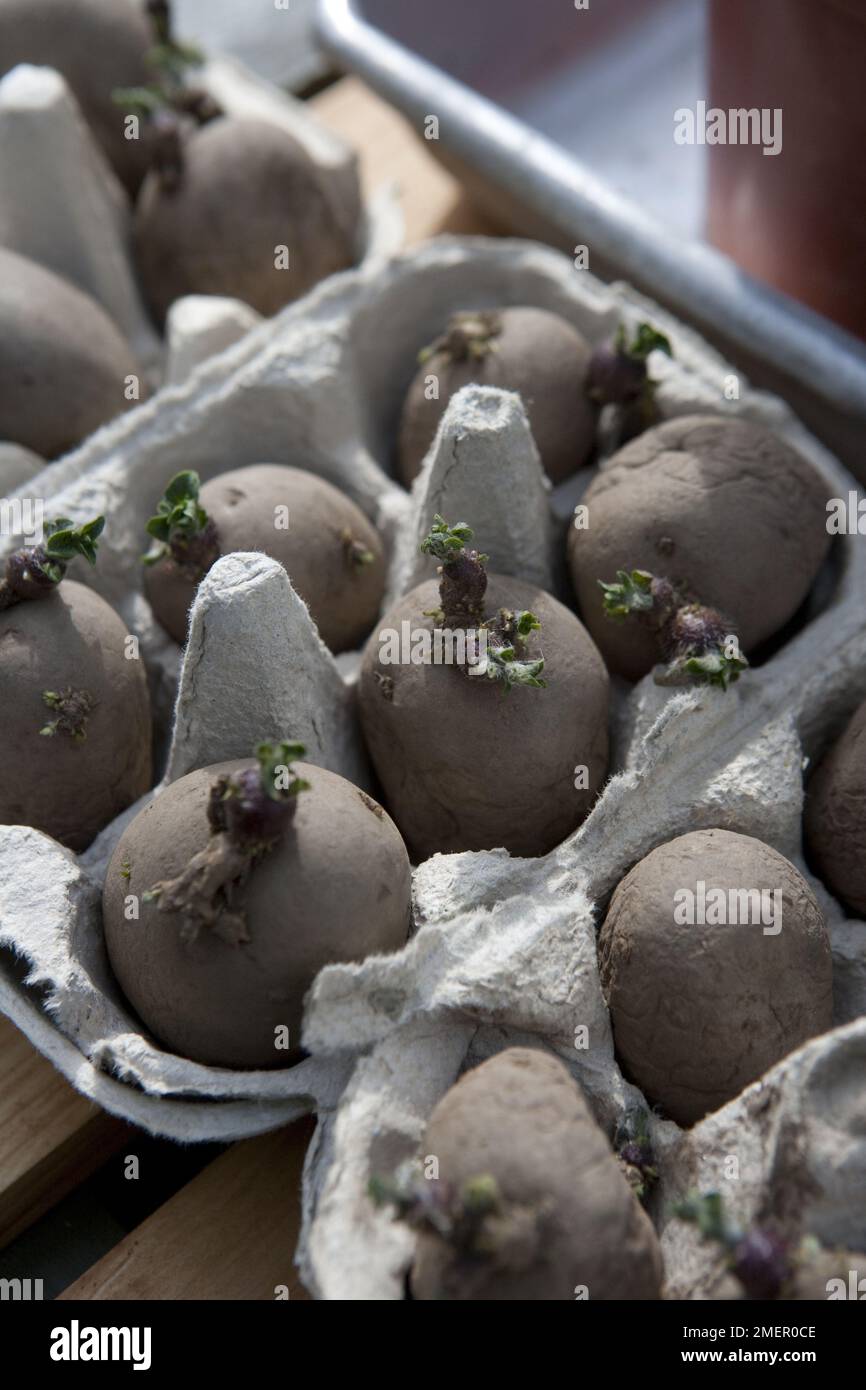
<point x="229" y="1234"/>
<point x="51" y="1138"/>
<point x="390" y="150"/>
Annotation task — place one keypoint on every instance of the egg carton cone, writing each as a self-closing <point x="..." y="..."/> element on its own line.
<point x="199" y="326"/>
<point x="62" y="205"/>
<point x="503" y="949"/>
<point x="60" y="202"/>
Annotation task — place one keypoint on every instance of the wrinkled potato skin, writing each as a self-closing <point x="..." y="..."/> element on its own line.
<point x="835" y="816"/>
<point x="335" y="888"/>
<point x="539" y="356"/>
<point x="746" y="515"/>
<point x="246" y="188"/>
<point x="700" y="1012"/>
<point x="97" y="45"/>
<point x="62" y="361"/>
<point x="465" y="766"/>
<point x="70" y="790"/>
<point x="522" y="1119"/>
<point x="343" y="599"/>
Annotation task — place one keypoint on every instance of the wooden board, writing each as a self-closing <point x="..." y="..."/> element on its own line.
<point x="51" y="1138"/>
<point x="389" y="149"/>
<point x="230" y="1233"/>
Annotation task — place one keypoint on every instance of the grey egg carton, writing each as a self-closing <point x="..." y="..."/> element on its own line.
<point x="503" y="950"/>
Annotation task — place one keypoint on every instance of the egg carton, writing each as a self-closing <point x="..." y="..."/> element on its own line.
<point x="503" y="950"/>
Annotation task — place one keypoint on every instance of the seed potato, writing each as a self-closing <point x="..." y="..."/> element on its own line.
<point x="531" y="351"/>
<point x="246" y="188"/>
<point x="335" y="887"/>
<point x="343" y="593"/>
<point x="465" y="766"/>
<point x="721" y="505"/>
<point x="701" y="1011"/>
<point x="62" y="360"/>
<point x="68" y="787"/>
<point x="568" y="1218"/>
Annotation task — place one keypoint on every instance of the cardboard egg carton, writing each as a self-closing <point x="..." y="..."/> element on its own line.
<point x="503" y="949"/>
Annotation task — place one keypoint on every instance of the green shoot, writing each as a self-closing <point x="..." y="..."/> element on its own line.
<point x="632" y="593"/>
<point x="273" y="758"/>
<point x="179" y="515"/>
<point x="444" y="542"/>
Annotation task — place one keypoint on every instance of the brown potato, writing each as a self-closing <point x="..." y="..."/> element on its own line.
<point x="71" y="789"/>
<point x="700" y="1011"/>
<point x="569" y="1221"/>
<point x="62" y="360"/>
<point x="533" y="352"/>
<point x="335" y="887"/>
<point x="343" y="597"/>
<point x="97" y="45"/>
<point x="465" y="766"/>
<point x="835" y="815"/>
<point x="721" y="505"/>
<point x="246" y="189"/>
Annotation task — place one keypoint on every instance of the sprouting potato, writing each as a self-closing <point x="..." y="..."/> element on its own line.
<point x="75" y="739"/>
<point x="238" y="190"/>
<point x="509" y="757"/>
<point x="721" y="507"/>
<point x="332" y="553"/>
<point x="248" y="877"/>
<point x="527" y="1201"/>
<point x="531" y="351"/>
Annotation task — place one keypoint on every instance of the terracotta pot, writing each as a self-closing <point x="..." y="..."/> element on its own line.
<point x="796" y="219"/>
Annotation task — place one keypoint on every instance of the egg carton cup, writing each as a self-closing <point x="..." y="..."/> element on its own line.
<point x="503" y="949"/>
<point x="62" y="206"/>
